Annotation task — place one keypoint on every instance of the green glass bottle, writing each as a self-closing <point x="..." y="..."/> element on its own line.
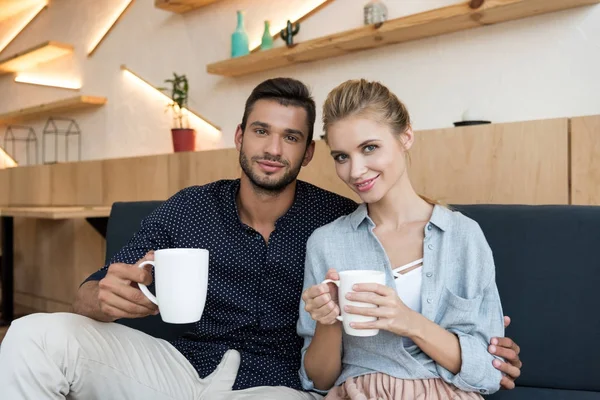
<point x="267" y="38"/>
<point x="239" y="38"/>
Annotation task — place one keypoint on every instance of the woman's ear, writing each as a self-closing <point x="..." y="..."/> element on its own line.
<point x="407" y="138"/>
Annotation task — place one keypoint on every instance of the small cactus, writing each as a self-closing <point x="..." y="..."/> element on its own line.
<point x="289" y="32"/>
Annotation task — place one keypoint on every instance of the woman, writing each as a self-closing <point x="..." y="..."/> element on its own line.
<point x="440" y="305"/>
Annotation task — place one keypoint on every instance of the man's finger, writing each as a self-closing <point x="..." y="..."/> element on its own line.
<point x="506" y="321"/>
<point x="506" y="342"/>
<point x="131" y="294"/>
<point x="129" y="309"/>
<point x="507" y="383"/>
<point x="507" y="354"/>
<point x="510" y="370"/>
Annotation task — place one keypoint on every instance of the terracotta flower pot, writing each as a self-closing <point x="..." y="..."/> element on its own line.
<point x="184" y="139"/>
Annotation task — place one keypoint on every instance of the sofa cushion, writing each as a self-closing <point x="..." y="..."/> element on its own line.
<point x="527" y="393"/>
<point x="548" y="275"/>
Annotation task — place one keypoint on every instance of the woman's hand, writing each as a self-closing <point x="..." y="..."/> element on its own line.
<point x="393" y="315"/>
<point x="321" y="301"/>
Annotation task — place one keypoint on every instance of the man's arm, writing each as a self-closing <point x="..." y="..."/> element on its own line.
<point x="506" y="348"/>
<point x="112" y="292"/>
<point x="117" y="294"/>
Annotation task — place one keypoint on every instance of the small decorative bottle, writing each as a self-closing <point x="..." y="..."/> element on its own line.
<point x="267" y="38"/>
<point x="239" y="38"/>
<point x="375" y="12"/>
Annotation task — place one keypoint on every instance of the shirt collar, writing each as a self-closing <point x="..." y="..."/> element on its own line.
<point x="441" y="217"/>
<point x="297" y="205"/>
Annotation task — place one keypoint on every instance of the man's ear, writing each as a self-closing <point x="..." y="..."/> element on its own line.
<point x="239" y="137"/>
<point x="309" y="153"/>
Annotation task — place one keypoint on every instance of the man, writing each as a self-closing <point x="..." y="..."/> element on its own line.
<point x="245" y="346"/>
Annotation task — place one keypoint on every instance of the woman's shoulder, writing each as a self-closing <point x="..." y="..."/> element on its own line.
<point x="337" y="228"/>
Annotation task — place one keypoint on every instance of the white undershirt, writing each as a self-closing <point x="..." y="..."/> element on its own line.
<point x="408" y="286"/>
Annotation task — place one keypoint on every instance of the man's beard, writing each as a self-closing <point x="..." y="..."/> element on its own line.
<point x="267" y="185"/>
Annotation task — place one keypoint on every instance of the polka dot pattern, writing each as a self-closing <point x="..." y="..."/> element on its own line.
<point x="254" y="289"/>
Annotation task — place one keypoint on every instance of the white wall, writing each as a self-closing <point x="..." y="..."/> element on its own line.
<point x="541" y="67"/>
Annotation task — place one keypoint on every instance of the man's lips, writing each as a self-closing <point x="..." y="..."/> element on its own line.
<point x="270" y="166"/>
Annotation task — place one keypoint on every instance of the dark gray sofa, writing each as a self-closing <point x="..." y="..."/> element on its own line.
<point x="548" y="274"/>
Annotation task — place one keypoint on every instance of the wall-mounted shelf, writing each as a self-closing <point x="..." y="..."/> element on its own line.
<point x="39" y="54"/>
<point x="10" y="8"/>
<point x="182" y="6"/>
<point x="453" y="18"/>
<point x="56" y="107"/>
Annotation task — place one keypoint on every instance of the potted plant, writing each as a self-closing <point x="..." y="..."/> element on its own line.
<point x="184" y="138"/>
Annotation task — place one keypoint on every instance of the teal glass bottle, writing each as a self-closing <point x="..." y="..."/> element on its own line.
<point x="239" y="38"/>
<point x="267" y="38"/>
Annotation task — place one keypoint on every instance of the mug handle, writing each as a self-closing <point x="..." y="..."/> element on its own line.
<point x="144" y="288"/>
<point x="336" y="283"/>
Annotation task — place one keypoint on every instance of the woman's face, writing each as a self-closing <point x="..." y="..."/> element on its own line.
<point x="368" y="156"/>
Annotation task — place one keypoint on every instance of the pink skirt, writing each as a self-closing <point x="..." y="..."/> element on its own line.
<point x="384" y="387"/>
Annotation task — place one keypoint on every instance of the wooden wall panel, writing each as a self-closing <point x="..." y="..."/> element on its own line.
<point x="585" y="160"/>
<point x="199" y="168"/>
<point x="77" y="183"/>
<point x="30" y="186"/>
<point x="4" y="187"/>
<point x="64" y="253"/>
<point x="130" y="179"/>
<point x="521" y="162"/>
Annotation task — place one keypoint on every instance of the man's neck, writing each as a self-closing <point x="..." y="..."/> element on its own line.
<point x="260" y="209"/>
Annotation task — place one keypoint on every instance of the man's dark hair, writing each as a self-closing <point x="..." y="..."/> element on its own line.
<point x="287" y="92"/>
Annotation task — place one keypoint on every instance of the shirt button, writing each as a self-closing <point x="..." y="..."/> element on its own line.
<point x="429" y="274"/>
<point x="429" y="301"/>
<point x="430" y="247"/>
<point x="429" y="227"/>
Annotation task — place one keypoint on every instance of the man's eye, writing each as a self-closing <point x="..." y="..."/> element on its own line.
<point x="261" y="131"/>
<point x="292" y="138"/>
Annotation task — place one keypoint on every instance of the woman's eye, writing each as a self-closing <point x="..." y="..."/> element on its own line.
<point x="370" y="148"/>
<point x="340" y="158"/>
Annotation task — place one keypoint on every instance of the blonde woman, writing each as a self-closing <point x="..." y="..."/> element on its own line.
<point x="440" y="305"/>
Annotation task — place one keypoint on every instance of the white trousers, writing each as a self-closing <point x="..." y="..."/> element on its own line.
<point x="68" y="356"/>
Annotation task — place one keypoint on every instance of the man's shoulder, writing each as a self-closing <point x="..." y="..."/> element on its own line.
<point x="327" y="201"/>
<point x="216" y="189"/>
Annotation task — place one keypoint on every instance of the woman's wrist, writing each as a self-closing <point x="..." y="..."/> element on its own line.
<point x="415" y="327"/>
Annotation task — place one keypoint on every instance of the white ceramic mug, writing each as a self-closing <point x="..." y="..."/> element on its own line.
<point x="181" y="281"/>
<point x="347" y="280"/>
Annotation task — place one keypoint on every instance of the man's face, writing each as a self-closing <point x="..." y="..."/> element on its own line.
<point x="273" y="146"/>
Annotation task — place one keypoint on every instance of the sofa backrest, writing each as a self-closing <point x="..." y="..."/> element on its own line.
<point x="124" y="222"/>
<point x="548" y="275"/>
<point x="547" y="272"/>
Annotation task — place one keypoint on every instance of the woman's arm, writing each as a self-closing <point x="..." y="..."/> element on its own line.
<point x="440" y="345"/>
<point x="317" y="324"/>
<point x="323" y="359"/>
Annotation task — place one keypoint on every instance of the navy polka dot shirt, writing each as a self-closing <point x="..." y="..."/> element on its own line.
<point x="254" y="289"/>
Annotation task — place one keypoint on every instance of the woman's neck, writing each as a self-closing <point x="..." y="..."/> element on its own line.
<point x="401" y="205"/>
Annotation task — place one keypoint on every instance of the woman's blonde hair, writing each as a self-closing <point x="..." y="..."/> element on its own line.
<point x="361" y="98"/>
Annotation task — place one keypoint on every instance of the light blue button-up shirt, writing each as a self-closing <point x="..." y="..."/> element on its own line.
<point x="458" y="293"/>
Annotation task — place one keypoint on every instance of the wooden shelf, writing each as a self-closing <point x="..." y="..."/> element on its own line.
<point x="10" y="8"/>
<point x="39" y="54"/>
<point x="182" y="6"/>
<point x="56" y="107"/>
<point x="436" y="22"/>
<point x="56" y="212"/>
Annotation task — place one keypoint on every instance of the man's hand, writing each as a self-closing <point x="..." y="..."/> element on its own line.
<point x="509" y="350"/>
<point x="119" y="295"/>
